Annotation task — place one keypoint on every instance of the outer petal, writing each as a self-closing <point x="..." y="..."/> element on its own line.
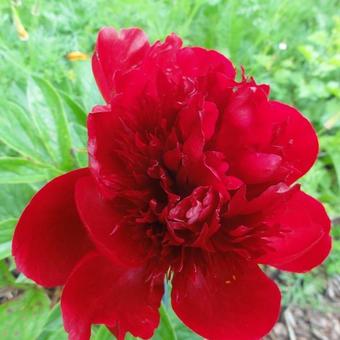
<point x="265" y="142"/>
<point x="304" y="241"/>
<point x="311" y="258"/>
<point x="245" y="124"/>
<point x="101" y="144"/>
<point x="197" y="61"/>
<point x="50" y="238"/>
<point x="297" y="140"/>
<point x="99" y="292"/>
<point x="225" y="298"/>
<point x="105" y="223"/>
<point x="107" y="163"/>
<point x="116" y="51"/>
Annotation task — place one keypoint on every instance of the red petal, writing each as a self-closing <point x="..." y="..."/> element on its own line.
<point x="311" y="258"/>
<point x="198" y="62"/>
<point x="304" y="242"/>
<point x="209" y="119"/>
<point x="297" y="139"/>
<point x="50" y="238"/>
<point x="105" y="223"/>
<point x="274" y="195"/>
<point x="225" y="298"/>
<point x="99" y="292"/>
<point x="105" y="162"/>
<point x="245" y="124"/>
<point x="265" y="141"/>
<point x="257" y="167"/>
<point x="116" y="51"/>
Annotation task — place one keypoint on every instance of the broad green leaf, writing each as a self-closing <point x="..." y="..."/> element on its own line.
<point x="24" y="317"/>
<point x="79" y="142"/>
<point x="79" y="133"/>
<point x="5" y="249"/>
<point x="58" y="334"/>
<point x="50" y="119"/>
<point x="22" y="279"/>
<point x="6" y="278"/>
<point x="331" y="145"/>
<point x="74" y="112"/>
<point x="20" y="170"/>
<point x="90" y="94"/>
<point x="101" y="333"/>
<point x="13" y="198"/>
<point x="53" y="329"/>
<point x="165" y="330"/>
<point x="18" y="132"/>
<point x="6" y="229"/>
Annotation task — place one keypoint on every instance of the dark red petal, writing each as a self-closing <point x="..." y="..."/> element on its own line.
<point x="225" y="298"/>
<point x="124" y="243"/>
<point x="209" y="118"/>
<point x="105" y="164"/>
<point x="99" y="292"/>
<point x="277" y="194"/>
<point x="116" y="51"/>
<point x="311" y="258"/>
<point x="304" y="241"/>
<point x="198" y="118"/>
<point x="257" y="167"/>
<point x="198" y="62"/>
<point x="50" y="238"/>
<point x="264" y="141"/>
<point x="245" y="124"/>
<point x="296" y="139"/>
<point x="101" y="144"/>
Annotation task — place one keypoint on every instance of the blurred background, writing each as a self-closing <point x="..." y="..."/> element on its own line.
<point x="47" y="88"/>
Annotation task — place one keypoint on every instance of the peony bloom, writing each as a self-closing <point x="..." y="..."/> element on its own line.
<point x="190" y="179"/>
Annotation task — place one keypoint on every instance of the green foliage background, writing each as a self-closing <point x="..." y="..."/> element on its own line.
<point x="44" y="99"/>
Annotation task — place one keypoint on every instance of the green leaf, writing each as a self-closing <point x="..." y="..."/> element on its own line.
<point x="90" y="94"/>
<point x="331" y="145"/>
<point x="13" y="198"/>
<point x="53" y="329"/>
<point x="74" y="112"/>
<point x="6" y="278"/>
<point x="24" y="317"/>
<point x="79" y="142"/>
<point x="6" y="229"/>
<point x="58" y="334"/>
<point x="18" y="132"/>
<point x="101" y="333"/>
<point x="20" y="170"/>
<point x="165" y="329"/>
<point x="22" y="279"/>
<point x="5" y="249"/>
<point x="50" y="120"/>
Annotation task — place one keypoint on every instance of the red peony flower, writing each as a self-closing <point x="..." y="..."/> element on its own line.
<point x="190" y="178"/>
